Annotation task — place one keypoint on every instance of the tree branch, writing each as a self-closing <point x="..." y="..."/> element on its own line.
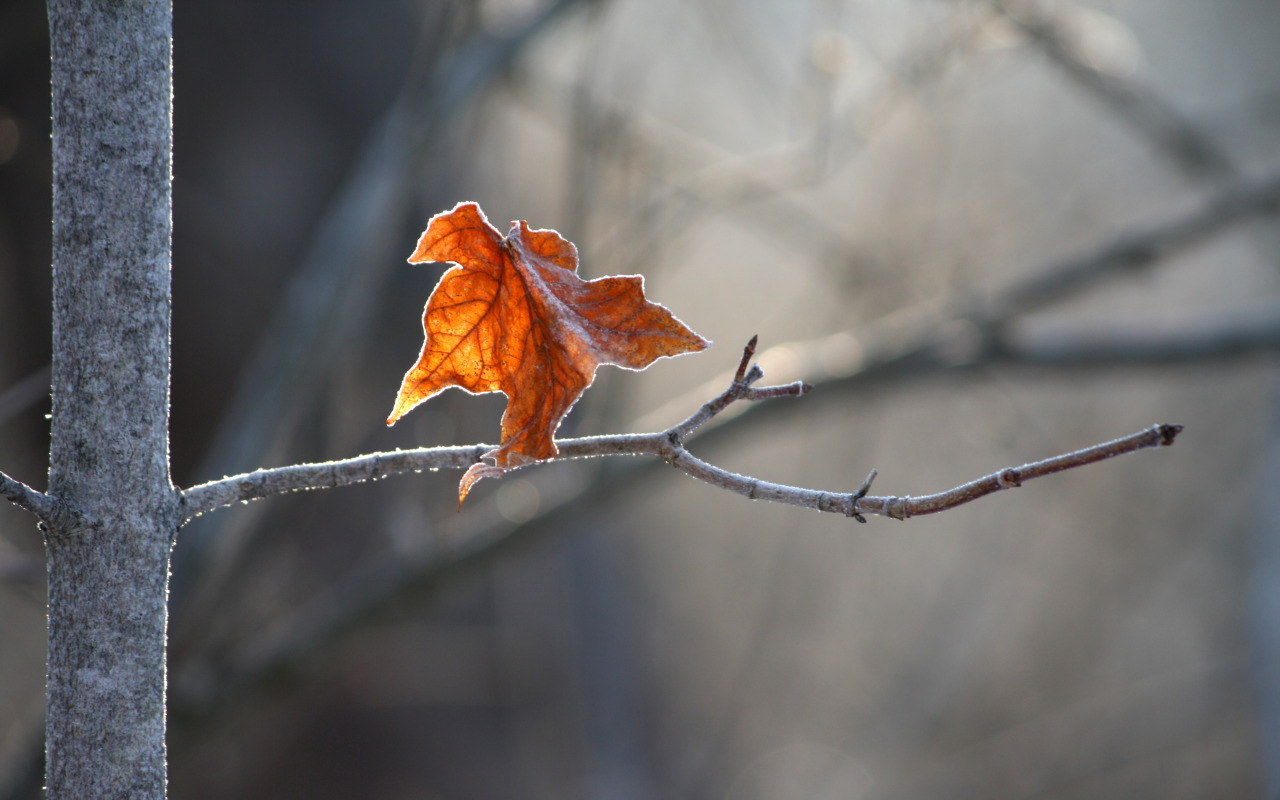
<point x="262" y="483"/>
<point x="48" y="509"/>
<point x="669" y="446"/>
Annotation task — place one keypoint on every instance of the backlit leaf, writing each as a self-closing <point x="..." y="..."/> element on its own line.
<point x="513" y="316"/>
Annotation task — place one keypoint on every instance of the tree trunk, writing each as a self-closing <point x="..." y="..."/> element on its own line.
<point x="108" y="572"/>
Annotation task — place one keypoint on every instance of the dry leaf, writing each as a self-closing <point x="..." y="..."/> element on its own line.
<point x="514" y="317"/>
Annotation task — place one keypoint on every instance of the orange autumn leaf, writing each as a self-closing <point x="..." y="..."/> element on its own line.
<point x="513" y="316"/>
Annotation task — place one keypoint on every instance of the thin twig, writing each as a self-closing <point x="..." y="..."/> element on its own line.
<point x="48" y="509"/>
<point x="748" y="353"/>
<point x="739" y="389"/>
<point x="855" y="504"/>
<point x="1013" y="477"/>
<point x="24" y="394"/>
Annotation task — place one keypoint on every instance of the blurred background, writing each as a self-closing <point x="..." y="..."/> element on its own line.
<point x="987" y="232"/>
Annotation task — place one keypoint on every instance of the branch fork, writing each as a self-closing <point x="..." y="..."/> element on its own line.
<point x="741" y="388"/>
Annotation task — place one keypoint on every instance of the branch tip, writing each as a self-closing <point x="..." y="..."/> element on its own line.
<point x="747" y="353"/>
<point x="854" y="511"/>
<point x="1168" y="433"/>
<point x="866" y="485"/>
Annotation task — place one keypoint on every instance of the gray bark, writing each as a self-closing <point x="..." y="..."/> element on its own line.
<point x="108" y="564"/>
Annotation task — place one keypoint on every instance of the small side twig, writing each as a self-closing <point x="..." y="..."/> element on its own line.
<point x="48" y="509"/>
<point x="739" y="389"/>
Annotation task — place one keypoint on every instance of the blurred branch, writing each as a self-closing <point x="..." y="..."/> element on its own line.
<point x="1058" y="37"/>
<point x="1234" y="336"/>
<point x="1263" y="609"/>
<point x="22" y="767"/>
<point x="973" y="329"/>
<point x="720" y="178"/>
<point x="1131" y="728"/>
<point x="21" y="569"/>
<point x="1135" y="250"/>
<point x="25" y="393"/>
